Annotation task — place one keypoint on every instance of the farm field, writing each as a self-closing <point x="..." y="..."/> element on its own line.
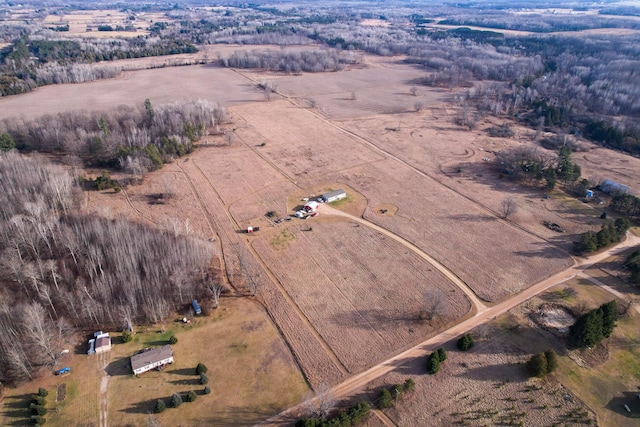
<point x="344" y="278"/>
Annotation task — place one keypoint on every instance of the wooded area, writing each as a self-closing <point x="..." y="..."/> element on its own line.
<point x="135" y="140"/>
<point x="64" y="271"/>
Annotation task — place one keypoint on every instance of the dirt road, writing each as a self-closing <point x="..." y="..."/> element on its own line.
<point x="478" y="304"/>
<point x="358" y="382"/>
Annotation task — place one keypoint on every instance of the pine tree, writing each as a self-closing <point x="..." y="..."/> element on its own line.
<point x="176" y="400"/>
<point x="587" y="330"/>
<point x="552" y="360"/>
<point x="537" y="365"/>
<point x="609" y="316"/>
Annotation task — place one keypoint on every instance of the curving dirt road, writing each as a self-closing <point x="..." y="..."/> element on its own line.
<point x="359" y="381"/>
<point x="477" y="304"/>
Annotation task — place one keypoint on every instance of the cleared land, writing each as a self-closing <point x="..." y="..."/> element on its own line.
<point x="343" y="297"/>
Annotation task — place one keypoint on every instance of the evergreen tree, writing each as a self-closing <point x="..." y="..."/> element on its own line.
<point x="433" y="363"/>
<point x="552" y="360"/>
<point x="465" y="342"/>
<point x="609" y="316"/>
<point x="537" y="365"/>
<point x="442" y="354"/>
<point x="159" y="406"/>
<point x="587" y="330"/>
<point x="385" y="399"/>
<point x="176" y="400"/>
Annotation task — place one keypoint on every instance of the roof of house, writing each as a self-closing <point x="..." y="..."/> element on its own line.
<point x="333" y="193"/>
<point x="103" y="342"/>
<point x="151" y="356"/>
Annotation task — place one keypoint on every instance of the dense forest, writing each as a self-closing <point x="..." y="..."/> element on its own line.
<point x="63" y="271"/>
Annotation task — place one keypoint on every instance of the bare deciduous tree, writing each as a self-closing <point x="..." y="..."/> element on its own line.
<point x="509" y="207"/>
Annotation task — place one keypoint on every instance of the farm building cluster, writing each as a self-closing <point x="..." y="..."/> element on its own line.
<point x="310" y="208"/>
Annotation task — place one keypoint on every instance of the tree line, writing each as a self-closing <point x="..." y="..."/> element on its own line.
<point x="135" y="140"/>
<point x="62" y="270"/>
<point x="287" y="61"/>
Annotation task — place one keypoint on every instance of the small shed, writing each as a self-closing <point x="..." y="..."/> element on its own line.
<point x="196" y="307"/>
<point x="103" y="343"/>
<point x="589" y="194"/>
<point x="152" y="359"/>
<point x="332" y="196"/>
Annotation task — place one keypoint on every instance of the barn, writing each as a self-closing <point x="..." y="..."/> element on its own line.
<point x="151" y="359"/>
<point x="332" y="196"/>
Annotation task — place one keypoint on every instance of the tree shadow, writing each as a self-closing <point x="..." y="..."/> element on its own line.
<point x="145" y="406"/>
<point x="244" y="417"/>
<point x="375" y="318"/>
<point x="543" y="250"/>
<point x="184" y="371"/>
<point x="513" y="372"/>
<point x="629" y="398"/>
<point x="17" y="410"/>
<point x="119" y="367"/>
<point x="191" y="381"/>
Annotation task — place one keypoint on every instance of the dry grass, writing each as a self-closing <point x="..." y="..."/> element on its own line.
<point x="250" y="371"/>
<point x="251" y="374"/>
<point x="485" y="386"/>
<point x="345" y="279"/>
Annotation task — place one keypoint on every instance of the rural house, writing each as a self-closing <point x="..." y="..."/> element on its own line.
<point x="332" y="196"/>
<point x="151" y="359"/>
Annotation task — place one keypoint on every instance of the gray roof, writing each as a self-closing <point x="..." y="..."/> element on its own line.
<point x="333" y="193"/>
<point x="151" y="356"/>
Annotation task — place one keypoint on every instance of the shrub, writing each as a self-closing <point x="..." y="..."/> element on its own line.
<point x="37" y="409"/>
<point x="537" y="365"/>
<point x="442" y="354"/>
<point x="159" y="406"/>
<point x="204" y="379"/>
<point x="201" y="369"/>
<point x="465" y="342"/>
<point x="552" y="360"/>
<point x="176" y="400"/>
<point x="38" y="400"/>
<point x="206" y="390"/>
<point x="42" y="392"/>
<point x="385" y="400"/>
<point x="433" y="363"/>
<point x="126" y="336"/>
<point x="396" y="391"/>
<point x="38" y="420"/>
<point x="191" y="396"/>
<point x="173" y="340"/>
<point x="409" y="384"/>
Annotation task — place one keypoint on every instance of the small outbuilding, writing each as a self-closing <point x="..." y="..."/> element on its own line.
<point x="333" y="196"/>
<point x="154" y="358"/>
<point x="103" y="343"/>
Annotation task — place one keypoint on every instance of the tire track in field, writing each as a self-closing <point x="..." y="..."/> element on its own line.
<point x="286" y="315"/>
<point x="136" y="210"/>
<point x="210" y="223"/>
